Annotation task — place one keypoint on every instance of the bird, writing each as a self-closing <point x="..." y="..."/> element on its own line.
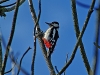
<point x="51" y="36"/>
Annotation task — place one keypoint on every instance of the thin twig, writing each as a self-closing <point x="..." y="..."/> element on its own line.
<point x="11" y="37"/>
<point x="8" y="5"/>
<point x="50" y="66"/>
<point x="34" y="53"/>
<point x="65" y="63"/>
<point x="3" y="1"/>
<point x="10" y="69"/>
<point x="56" y="69"/>
<point x="96" y="45"/>
<point x="36" y="23"/>
<point x="79" y="38"/>
<point x="13" y="7"/>
<point x="12" y="57"/>
<point x="22" y="59"/>
<point x="76" y="27"/>
<point x="17" y="64"/>
<point x="33" y="14"/>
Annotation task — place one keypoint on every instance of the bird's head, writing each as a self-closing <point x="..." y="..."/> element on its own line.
<point x="54" y="24"/>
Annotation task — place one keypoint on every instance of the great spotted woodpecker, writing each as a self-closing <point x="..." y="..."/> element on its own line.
<point x="51" y="36"/>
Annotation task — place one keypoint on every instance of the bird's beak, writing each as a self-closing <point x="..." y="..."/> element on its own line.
<point x="48" y="23"/>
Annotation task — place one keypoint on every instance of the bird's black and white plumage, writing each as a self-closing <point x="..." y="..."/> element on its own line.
<point x="51" y="36"/>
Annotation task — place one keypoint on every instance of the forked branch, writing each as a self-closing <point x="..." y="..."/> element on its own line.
<point x="50" y="66"/>
<point x="76" y="27"/>
<point x="79" y="38"/>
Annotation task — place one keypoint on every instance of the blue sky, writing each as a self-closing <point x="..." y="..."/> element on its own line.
<point x="52" y="10"/>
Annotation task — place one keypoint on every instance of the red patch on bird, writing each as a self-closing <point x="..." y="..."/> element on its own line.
<point x="47" y="43"/>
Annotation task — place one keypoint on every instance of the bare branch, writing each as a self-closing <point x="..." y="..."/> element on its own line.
<point x="17" y="65"/>
<point x="10" y="70"/>
<point x="3" y="1"/>
<point x="96" y="45"/>
<point x="79" y="38"/>
<point x="22" y="59"/>
<point x="50" y="66"/>
<point x="5" y="8"/>
<point x="13" y="7"/>
<point x="34" y="53"/>
<point x="14" y="60"/>
<point x="11" y="37"/>
<point x="65" y="63"/>
<point x="8" y="5"/>
<point x="97" y="38"/>
<point x="33" y="14"/>
<point x="56" y="69"/>
<point x="76" y="27"/>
